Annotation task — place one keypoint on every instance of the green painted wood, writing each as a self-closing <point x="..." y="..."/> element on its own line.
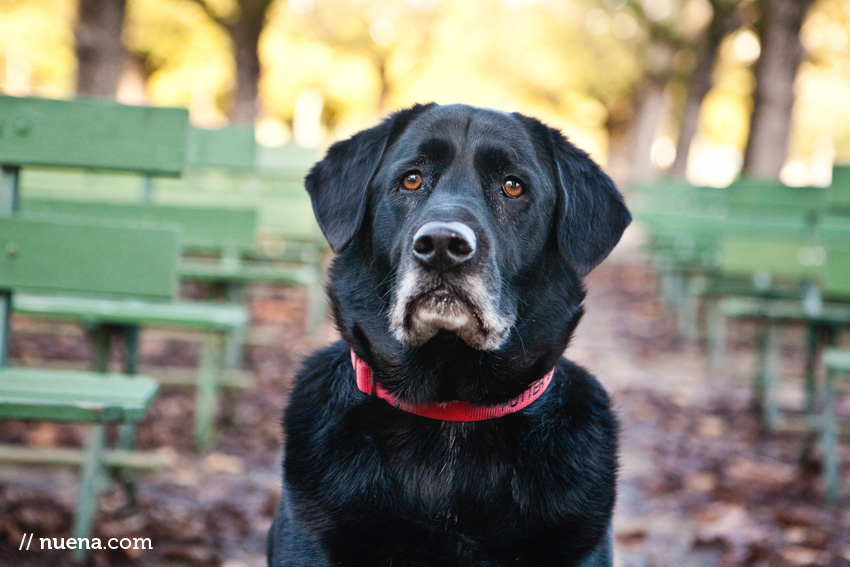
<point x="774" y="257"/>
<point x="212" y="361"/>
<point x="787" y="311"/>
<point x="829" y="437"/>
<point x="837" y="278"/>
<point x="92" y="135"/>
<point x="213" y="228"/>
<point x="248" y="272"/>
<point x="62" y="456"/>
<point x="205" y="316"/>
<point x="768" y="198"/>
<point x="837" y="359"/>
<point x="287" y="160"/>
<point x="231" y="147"/>
<point x="41" y="183"/>
<point x="103" y="258"/>
<point x="678" y="197"/>
<point x="87" y="397"/>
<point x="839" y="191"/>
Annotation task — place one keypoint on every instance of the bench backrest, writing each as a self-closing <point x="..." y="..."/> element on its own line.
<point x="764" y="198"/>
<point x="839" y="191"/>
<point x="229" y="148"/>
<point x="678" y="197"/>
<point x="86" y="257"/>
<point x="837" y="276"/>
<point x="204" y="228"/>
<point x="834" y="231"/>
<point x="285" y="161"/>
<point x="780" y="257"/>
<point x="92" y="135"/>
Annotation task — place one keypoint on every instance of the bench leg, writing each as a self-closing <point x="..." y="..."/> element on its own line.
<point x="672" y="288"/>
<point x="92" y="478"/>
<point x="767" y="377"/>
<point x="812" y="344"/>
<point x="100" y="337"/>
<point x="127" y="432"/>
<point x="715" y="322"/>
<point x="5" y="327"/>
<point x="212" y="359"/>
<point x="689" y="310"/>
<point x="235" y="340"/>
<point x="829" y="439"/>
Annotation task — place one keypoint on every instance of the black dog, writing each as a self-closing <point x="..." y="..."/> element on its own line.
<point x="462" y="438"/>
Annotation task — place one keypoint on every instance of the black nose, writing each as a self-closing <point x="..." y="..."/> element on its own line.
<point x="444" y="245"/>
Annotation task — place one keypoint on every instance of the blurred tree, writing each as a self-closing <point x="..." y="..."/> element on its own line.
<point x="664" y="33"/>
<point x="773" y="101"/>
<point x="100" y="54"/>
<point x="726" y="18"/>
<point x="186" y="57"/>
<point x="244" y="22"/>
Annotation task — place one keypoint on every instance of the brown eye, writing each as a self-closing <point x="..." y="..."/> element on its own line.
<point x="513" y="188"/>
<point x="412" y="181"/>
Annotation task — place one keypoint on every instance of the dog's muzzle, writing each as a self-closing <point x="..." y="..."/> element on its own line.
<point x="445" y="285"/>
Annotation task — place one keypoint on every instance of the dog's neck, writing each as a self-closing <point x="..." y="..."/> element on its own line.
<point x="449" y="411"/>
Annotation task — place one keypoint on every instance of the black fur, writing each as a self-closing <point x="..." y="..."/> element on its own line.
<point x="366" y="484"/>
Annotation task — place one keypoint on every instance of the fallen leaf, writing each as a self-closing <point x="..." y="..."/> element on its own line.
<point x="220" y="462"/>
<point x="805" y="556"/>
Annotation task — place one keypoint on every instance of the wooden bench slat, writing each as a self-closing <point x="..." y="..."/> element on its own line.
<point x="74" y="396"/>
<point x="786" y="310"/>
<point x="92" y="134"/>
<point x="89" y="257"/>
<point x="248" y="273"/>
<point x="207" y="316"/>
<point x="114" y="458"/>
<point x="214" y="228"/>
<point x="231" y="147"/>
<point x="837" y="359"/>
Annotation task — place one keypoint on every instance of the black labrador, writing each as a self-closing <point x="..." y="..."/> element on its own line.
<point x="445" y="429"/>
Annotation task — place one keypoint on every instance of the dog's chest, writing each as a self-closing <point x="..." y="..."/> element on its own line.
<point x="459" y="477"/>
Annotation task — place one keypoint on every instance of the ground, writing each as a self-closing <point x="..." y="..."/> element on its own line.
<point x="702" y="483"/>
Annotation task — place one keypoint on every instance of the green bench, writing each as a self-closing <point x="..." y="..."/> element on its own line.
<point x="122" y="317"/>
<point x="766" y="252"/>
<point x="289" y="248"/>
<point x="225" y="169"/>
<point x="684" y="224"/>
<point x="56" y="256"/>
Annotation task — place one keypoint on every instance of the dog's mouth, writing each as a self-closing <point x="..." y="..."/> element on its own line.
<point x="421" y="312"/>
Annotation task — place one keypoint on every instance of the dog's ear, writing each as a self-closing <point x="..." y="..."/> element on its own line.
<point x="591" y="215"/>
<point x="338" y="184"/>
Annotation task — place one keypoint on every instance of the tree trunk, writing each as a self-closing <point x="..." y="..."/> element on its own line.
<point x="245" y="34"/>
<point x="773" y="101"/>
<point x="650" y="108"/>
<point x="725" y="19"/>
<point x="100" y="54"/>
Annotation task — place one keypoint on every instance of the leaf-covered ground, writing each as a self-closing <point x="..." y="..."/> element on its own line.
<point x="702" y="483"/>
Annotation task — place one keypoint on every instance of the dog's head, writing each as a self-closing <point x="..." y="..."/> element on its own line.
<point x="462" y="235"/>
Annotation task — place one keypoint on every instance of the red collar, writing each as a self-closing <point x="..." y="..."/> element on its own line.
<point x="449" y="411"/>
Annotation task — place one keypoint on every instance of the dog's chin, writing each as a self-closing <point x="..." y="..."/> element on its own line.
<point x="438" y="313"/>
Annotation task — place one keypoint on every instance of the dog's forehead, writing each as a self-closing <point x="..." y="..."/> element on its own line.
<point x="467" y="129"/>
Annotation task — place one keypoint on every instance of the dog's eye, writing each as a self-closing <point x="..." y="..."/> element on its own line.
<point x="412" y="181"/>
<point x="512" y="187"/>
